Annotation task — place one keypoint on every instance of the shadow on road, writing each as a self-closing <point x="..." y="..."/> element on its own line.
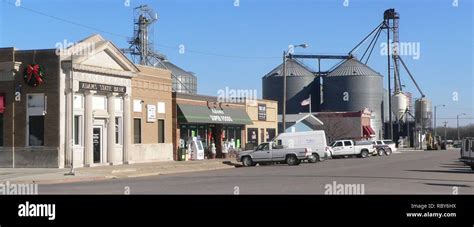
<point x="237" y="165"/>
<point x="449" y="185"/>
<point x="457" y="170"/>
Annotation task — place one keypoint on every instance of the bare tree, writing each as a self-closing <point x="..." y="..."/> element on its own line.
<point x="337" y="128"/>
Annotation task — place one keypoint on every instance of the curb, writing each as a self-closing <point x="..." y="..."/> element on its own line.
<point x="169" y="171"/>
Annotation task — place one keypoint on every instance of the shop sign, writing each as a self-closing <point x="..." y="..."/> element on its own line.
<point x="221" y="118"/>
<point x="262" y="112"/>
<point x="151" y="113"/>
<point x="102" y="87"/>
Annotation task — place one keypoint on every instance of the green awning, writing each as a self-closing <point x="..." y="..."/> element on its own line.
<point x="203" y="114"/>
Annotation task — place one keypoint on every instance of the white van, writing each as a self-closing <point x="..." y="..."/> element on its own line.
<point x="316" y="140"/>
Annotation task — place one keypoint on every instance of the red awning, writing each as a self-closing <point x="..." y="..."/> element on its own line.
<point x="372" y="132"/>
<point x="2" y="103"/>
<point x="368" y="131"/>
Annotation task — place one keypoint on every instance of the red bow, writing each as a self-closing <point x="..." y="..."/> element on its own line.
<point x="34" y="70"/>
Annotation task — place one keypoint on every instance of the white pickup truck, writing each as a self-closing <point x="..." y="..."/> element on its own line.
<point x="273" y="153"/>
<point x="342" y="148"/>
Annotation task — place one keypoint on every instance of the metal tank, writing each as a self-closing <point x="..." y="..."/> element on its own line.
<point x="353" y="86"/>
<point x="423" y="113"/>
<point x="300" y="83"/>
<point x="183" y="81"/>
<point x="399" y="106"/>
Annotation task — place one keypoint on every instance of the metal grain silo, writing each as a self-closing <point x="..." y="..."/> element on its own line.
<point x="183" y="81"/>
<point x="353" y="86"/>
<point x="300" y="83"/>
<point x="423" y="113"/>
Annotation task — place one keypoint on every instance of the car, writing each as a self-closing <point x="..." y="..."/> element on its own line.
<point x="273" y="153"/>
<point x="390" y="143"/>
<point x="342" y="148"/>
<point x="467" y="152"/>
<point x="382" y="149"/>
<point x="316" y="140"/>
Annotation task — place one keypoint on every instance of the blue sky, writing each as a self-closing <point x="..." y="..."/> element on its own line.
<point x="234" y="46"/>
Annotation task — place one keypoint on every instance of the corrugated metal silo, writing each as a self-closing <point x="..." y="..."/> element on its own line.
<point x="300" y="83"/>
<point x="183" y="81"/>
<point x="423" y="108"/>
<point x="353" y="86"/>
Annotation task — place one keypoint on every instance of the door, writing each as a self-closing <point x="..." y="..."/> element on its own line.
<point x="338" y="148"/>
<point x="97" y="141"/>
<point x="262" y="153"/>
<point x="348" y="148"/>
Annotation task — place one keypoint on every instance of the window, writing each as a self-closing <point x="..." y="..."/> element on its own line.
<point x="347" y="143"/>
<point x="161" y="131"/>
<point x="35" y="117"/>
<point x="118" y="124"/>
<point x="77" y="130"/>
<point x="36" y="129"/>
<point x="338" y="144"/>
<point x="161" y="107"/>
<point x="1" y="129"/>
<point x="137" y="130"/>
<point x="99" y="102"/>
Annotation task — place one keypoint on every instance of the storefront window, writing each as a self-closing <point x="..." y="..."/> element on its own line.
<point x="271" y="132"/>
<point x="161" y="131"/>
<point x="77" y="129"/>
<point x="36" y="110"/>
<point x="252" y="136"/>
<point x="118" y="124"/>
<point x="36" y="129"/>
<point x="137" y="130"/>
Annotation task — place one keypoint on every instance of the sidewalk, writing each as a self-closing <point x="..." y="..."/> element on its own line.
<point x="54" y="176"/>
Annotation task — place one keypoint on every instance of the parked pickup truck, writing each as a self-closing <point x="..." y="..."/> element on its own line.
<point x="350" y="147"/>
<point x="270" y="152"/>
<point x="467" y="152"/>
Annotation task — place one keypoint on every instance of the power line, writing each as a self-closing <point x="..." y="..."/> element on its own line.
<point x="127" y="37"/>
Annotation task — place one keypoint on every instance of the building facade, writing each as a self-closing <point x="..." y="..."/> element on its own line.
<point x="214" y="123"/>
<point x="73" y="107"/>
<point x="151" y="117"/>
<point x="264" y="117"/>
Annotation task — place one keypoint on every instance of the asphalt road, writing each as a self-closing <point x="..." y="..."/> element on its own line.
<point x="418" y="172"/>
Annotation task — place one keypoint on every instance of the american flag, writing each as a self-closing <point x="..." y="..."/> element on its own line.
<point x="306" y="102"/>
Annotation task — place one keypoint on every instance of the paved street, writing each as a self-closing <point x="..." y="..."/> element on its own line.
<point x="417" y="172"/>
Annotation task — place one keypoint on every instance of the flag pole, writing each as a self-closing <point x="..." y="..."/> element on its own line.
<point x="310" y="104"/>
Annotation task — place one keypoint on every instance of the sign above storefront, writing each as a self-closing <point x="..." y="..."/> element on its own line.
<point x="102" y="87"/>
<point x="262" y="112"/>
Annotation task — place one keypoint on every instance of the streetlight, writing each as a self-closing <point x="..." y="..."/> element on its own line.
<point x="285" y="53"/>
<point x="445" y="139"/>
<point x="435" y="118"/>
<point x="457" y="122"/>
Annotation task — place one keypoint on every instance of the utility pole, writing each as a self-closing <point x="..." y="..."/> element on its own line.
<point x="457" y="125"/>
<point x="284" y="91"/>
<point x="445" y="139"/>
<point x="435" y="132"/>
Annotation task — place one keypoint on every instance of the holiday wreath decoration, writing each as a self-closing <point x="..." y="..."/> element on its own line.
<point x="34" y="75"/>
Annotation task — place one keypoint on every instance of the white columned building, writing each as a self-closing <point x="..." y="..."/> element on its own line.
<point x="96" y="122"/>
